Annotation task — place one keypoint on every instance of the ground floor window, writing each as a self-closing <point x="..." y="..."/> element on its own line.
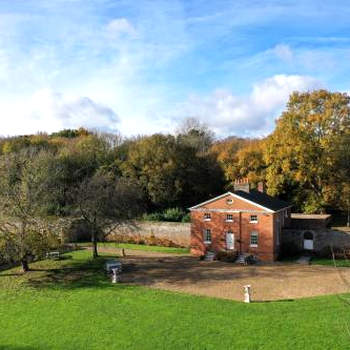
<point x="254" y="237"/>
<point x="207" y="235"/>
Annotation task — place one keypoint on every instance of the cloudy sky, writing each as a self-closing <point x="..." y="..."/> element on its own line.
<point x="141" y="66"/>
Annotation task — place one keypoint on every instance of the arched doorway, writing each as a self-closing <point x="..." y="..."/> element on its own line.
<point x="308" y="240"/>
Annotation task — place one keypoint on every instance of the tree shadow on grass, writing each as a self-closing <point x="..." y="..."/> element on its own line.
<point x="73" y="274"/>
<point x="10" y="275"/>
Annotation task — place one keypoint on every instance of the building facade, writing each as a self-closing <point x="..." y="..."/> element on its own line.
<point x="244" y="221"/>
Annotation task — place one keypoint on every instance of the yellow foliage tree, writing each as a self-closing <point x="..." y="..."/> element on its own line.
<point x="306" y="152"/>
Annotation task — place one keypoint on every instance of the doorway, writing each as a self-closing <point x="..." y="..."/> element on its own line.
<point x="308" y="241"/>
<point x="230" y="240"/>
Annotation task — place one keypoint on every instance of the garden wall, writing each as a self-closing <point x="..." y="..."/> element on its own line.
<point x="176" y="232"/>
<point x="322" y="238"/>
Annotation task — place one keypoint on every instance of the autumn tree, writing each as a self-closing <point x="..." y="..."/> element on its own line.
<point x="198" y="175"/>
<point x="306" y="152"/>
<point x="151" y="162"/>
<point x="239" y="158"/>
<point x="171" y="171"/>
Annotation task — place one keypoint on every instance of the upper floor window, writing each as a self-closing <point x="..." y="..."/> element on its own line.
<point x="253" y="219"/>
<point x="207" y="236"/>
<point x="254" y="239"/>
<point x="229" y="217"/>
<point x="229" y="201"/>
<point x="207" y="217"/>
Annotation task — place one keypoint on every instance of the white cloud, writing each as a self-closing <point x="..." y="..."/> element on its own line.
<point x="144" y="64"/>
<point x="50" y="111"/>
<point x="251" y="115"/>
<point x="283" y="52"/>
<point x="120" y="26"/>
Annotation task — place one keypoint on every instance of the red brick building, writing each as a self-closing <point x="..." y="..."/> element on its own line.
<point x="243" y="221"/>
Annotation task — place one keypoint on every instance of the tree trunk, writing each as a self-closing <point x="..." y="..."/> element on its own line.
<point x="25" y="266"/>
<point x="94" y="244"/>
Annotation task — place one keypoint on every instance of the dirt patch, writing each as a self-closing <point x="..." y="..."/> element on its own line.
<point x="226" y="280"/>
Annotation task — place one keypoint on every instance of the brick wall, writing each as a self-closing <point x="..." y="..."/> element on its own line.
<point x="177" y="232"/>
<point x="241" y="227"/>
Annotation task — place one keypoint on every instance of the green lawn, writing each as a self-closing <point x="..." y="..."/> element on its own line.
<point x="330" y="262"/>
<point x="70" y="304"/>
<point x="150" y="248"/>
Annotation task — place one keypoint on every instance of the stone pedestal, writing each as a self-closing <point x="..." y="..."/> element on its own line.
<point x="247" y="293"/>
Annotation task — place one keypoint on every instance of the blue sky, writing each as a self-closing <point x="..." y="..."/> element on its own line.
<point x="142" y="66"/>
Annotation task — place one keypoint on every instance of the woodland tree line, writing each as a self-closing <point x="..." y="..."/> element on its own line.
<point x="105" y="178"/>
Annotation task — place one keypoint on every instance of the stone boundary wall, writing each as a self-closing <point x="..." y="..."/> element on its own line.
<point x="176" y="232"/>
<point x="322" y="238"/>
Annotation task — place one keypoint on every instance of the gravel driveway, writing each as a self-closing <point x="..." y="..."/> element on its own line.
<point x="226" y="280"/>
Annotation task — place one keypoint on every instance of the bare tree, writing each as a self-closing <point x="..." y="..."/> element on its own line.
<point x="196" y="134"/>
<point x="104" y="203"/>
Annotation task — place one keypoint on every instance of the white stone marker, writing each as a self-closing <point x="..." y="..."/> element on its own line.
<point x="247" y="293"/>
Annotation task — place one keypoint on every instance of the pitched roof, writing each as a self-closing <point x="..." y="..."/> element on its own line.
<point x="263" y="199"/>
<point x="256" y="197"/>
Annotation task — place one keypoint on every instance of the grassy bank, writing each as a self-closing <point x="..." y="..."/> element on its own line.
<point x="70" y="304"/>
<point x="150" y="248"/>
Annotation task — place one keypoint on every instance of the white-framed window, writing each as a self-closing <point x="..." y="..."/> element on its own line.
<point x="253" y="219"/>
<point x="229" y="201"/>
<point x="229" y="218"/>
<point x="207" y="235"/>
<point x="254" y="238"/>
<point x="207" y="216"/>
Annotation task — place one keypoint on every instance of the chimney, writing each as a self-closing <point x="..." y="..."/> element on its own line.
<point x="242" y="185"/>
<point x="261" y="187"/>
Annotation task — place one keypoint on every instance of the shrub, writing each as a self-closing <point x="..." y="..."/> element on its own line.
<point x="186" y="218"/>
<point x="173" y="214"/>
<point x="226" y="256"/>
<point x="170" y="214"/>
<point x="153" y="217"/>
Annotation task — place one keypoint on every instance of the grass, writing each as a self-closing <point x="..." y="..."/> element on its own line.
<point x="149" y="248"/>
<point x="70" y="304"/>
<point x="330" y="262"/>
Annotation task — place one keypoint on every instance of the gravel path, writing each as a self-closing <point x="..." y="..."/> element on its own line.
<point x="185" y="273"/>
